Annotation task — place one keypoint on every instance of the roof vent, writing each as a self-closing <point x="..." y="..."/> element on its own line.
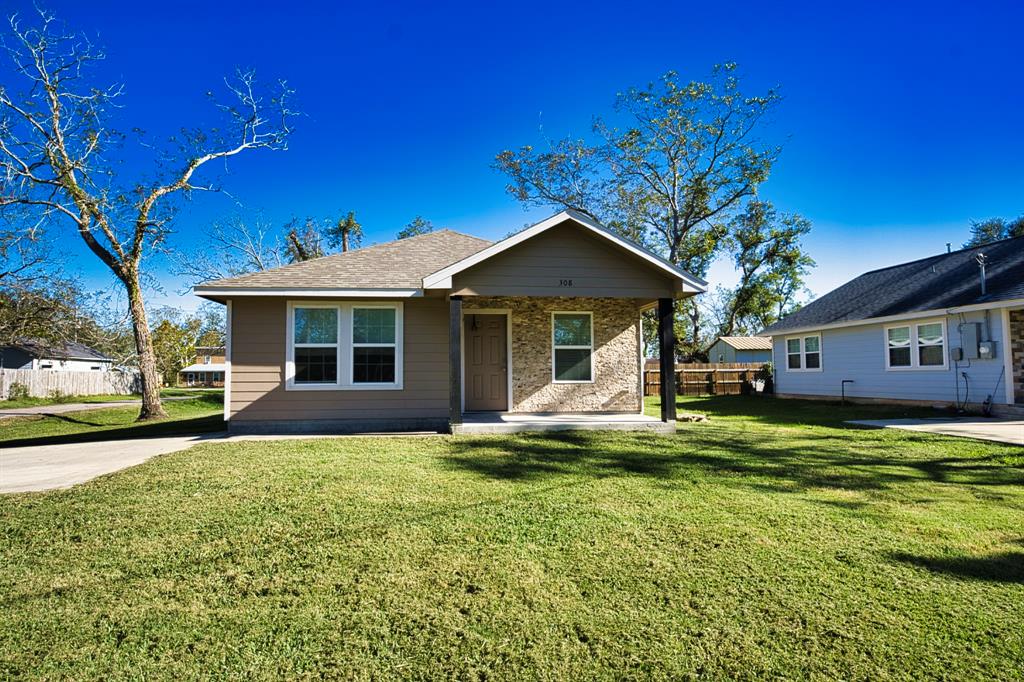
<point x="982" y="259"/>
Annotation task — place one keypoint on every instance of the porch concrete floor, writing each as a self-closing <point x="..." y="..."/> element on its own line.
<point x="502" y="422"/>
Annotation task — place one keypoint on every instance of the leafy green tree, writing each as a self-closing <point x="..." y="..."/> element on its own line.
<point x="419" y="225"/>
<point x="345" y="233"/>
<point x="993" y="230"/>
<point x="685" y="160"/>
<point x="772" y="264"/>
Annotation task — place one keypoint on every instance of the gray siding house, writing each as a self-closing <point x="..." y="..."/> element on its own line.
<point x="732" y="349"/>
<point x="447" y="331"/>
<point x="946" y="330"/>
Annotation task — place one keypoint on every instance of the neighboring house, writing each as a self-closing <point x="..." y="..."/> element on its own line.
<point x="67" y="356"/>
<point x="942" y="330"/>
<point x="414" y="333"/>
<point x="728" y="349"/>
<point x="207" y="370"/>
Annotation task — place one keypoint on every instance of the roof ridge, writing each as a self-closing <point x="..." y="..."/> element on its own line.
<point x="940" y="255"/>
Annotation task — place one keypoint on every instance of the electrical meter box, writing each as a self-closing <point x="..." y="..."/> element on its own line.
<point x="969" y="335"/>
<point x="987" y="350"/>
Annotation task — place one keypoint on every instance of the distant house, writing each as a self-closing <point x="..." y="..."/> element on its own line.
<point x="67" y="356"/>
<point x="207" y="370"/>
<point x="947" y="329"/>
<point x="741" y="349"/>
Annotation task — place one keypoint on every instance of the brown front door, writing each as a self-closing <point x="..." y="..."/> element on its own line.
<point x="486" y="366"/>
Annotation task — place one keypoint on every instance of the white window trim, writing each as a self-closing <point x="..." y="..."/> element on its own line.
<point x="352" y="345"/>
<point x="590" y="315"/>
<point x="803" y="353"/>
<point x="915" y="357"/>
<point x="345" y="370"/>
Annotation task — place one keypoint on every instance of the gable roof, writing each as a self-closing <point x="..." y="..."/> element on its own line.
<point x="392" y="268"/>
<point x="406" y="267"/>
<point x="57" y="350"/>
<point x="746" y="342"/>
<point x="442" y="279"/>
<point x="934" y="284"/>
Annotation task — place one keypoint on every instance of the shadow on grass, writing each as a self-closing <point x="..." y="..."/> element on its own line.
<point x="1007" y="567"/>
<point x="155" y="429"/>
<point x="809" y="460"/>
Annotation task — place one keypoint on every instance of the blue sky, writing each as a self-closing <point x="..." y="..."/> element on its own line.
<point x="900" y="123"/>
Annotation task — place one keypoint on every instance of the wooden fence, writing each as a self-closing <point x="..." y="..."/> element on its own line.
<point x="706" y="378"/>
<point x="42" y="383"/>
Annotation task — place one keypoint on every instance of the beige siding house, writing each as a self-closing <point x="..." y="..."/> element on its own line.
<point x="446" y="331"/>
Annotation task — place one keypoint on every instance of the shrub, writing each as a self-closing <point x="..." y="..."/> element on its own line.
<point x="17" y="391"/>
<point x="58" y="396"/>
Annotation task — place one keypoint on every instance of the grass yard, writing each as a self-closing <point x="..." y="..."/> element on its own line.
<point x="166" y="393"/>
<point x="768" y="542"/>
<point x="203" y="413"/>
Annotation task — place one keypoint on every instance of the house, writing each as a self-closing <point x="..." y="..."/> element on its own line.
<point x="946" y="330"/>
<point x="207" y="370"/>
<point x="66" y="356"/>
<point x="446" y="331"/>
<point x="730" y="349"/>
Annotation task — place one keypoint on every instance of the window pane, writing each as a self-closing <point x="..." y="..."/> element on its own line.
<point x="929" y="334"/>
<point x="899" y="357"/>
<point x="793" y="346"/>
<point x="572" y="330"/>
<point x="898" y="337"/>
<point x="373" y="365"/>
<point x="316" y="365"/>
<point x="373" y="325"/>
<point x="813" y="360"/>
<point x="930" y="356"/>
<point x="316" y="325"/>
<point x="572" y="364"/>
<point x="812" y="344"/>
<point x="793" y="361"/>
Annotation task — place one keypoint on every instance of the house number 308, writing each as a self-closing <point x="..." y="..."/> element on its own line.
<point x="565" y="282"/>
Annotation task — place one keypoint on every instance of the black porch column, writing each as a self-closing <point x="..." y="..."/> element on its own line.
<point x="455" y="360"/>
<point x="667" y="355"/>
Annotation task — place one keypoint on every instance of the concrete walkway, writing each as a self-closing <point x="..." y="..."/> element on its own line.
<point x="999" y="430"/>
<point x="61" y="408"/>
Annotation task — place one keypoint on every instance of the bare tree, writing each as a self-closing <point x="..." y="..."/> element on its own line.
<point x="233" y="248"/>
<point x="55" y="156"/>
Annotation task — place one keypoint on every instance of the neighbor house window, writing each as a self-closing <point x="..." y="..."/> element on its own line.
<point x="916" y="346"/>
<point x="373" y="345"/>
<point x="316" y="345"/>
<point x="344" y="346"/>
<point x="573" y="347"/>
<point x="803" y="353"/>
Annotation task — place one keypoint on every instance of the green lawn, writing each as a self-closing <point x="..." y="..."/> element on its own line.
<point x="770" y="541"/>
<point x="203" y="413"/>
<point x="166" y="393"/>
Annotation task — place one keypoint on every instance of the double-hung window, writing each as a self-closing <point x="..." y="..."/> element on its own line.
<point x="916" y="346"/>
<point x="344" y="346"/>
<point x="803" y="353"/>
<point x="373" y="345"/>
<point x="572" y="342"/>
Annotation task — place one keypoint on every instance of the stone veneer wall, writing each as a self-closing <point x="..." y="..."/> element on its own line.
<point x="1017" y="353"/>
<point x="616" y="385"/>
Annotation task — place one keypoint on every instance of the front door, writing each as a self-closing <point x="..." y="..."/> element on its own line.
<point x="486" y="365"/>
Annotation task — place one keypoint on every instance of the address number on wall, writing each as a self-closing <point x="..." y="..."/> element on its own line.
<point x="565" y="282"/>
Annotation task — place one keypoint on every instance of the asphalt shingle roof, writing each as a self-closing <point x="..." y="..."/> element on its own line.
<point x="944" y="281"/>
<point x="401" y="264"/>
<point x="69" y="350"/>
<point x="747" y="342"/>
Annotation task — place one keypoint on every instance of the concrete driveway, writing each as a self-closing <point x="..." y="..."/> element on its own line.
<point x="45" y="467"/>
<point x="999" y="430"/>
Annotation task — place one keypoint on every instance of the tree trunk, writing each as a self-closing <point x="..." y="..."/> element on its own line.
<point x="344" y="241"/>
<point x="152" y="408"/>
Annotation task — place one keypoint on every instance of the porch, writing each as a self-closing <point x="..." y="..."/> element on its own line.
<point x="474" y="423"/>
